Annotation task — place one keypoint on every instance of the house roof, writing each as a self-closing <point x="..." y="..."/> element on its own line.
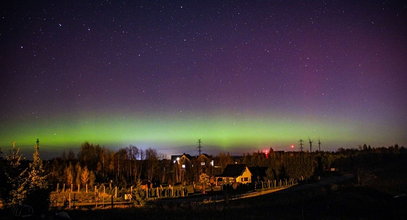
<point x="234" y="170"/>
<point x="174" y="157"/>
<point x="203" y="154"/>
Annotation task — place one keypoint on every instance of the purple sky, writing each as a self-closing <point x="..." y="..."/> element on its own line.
<point x="330" y="60"/>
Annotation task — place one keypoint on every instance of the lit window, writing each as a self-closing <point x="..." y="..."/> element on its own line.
<point x="183" y="166"/>
<point x="202" y="163"/>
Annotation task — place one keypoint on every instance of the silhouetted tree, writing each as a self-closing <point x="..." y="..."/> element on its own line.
<point x="38" y="192"/>
<point x="69" y="174"/>
<point x="152" y="163"/>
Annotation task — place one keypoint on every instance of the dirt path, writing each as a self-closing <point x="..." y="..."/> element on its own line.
<point x="322" y="182"/>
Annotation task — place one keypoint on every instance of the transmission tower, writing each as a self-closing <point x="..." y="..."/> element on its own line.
<point x="301" y="144"/>
<point x="310" y="145"/>
<point x="319" y="145"/>
<point x="37" y="144"/>
<point x="199" y="146"/>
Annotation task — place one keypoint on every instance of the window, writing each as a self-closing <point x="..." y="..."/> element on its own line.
<point x="246" y="179"/>
<point x="202" y="163"/>
<point x="183" y="166"/>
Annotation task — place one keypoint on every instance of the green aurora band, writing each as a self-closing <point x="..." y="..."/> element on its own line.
<point x="225" y="132"/>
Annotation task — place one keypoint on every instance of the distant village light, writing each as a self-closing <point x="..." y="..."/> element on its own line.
<point x="212" y="163"/>
<point x="177" y="158"/>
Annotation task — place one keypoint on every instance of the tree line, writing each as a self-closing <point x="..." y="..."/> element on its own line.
<point x="23" y="181"/>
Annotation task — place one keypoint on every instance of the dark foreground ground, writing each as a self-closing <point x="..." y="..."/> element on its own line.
<point x="330" y="202"/>
<point x="333" y="201"/>
<point x="374" y="191"/>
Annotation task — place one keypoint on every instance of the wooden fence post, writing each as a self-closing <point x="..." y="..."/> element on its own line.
<point x="69" y="200"/>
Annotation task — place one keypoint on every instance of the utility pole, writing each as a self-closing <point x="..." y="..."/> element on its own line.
<point x="319" y="145"/>
<point x="301" y="144"/>
<point x="310" y="145"/>
<point x="199" y="146"/>
<point x="103" y="162"/>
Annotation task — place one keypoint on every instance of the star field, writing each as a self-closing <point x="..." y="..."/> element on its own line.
<point x="237" y="74"/>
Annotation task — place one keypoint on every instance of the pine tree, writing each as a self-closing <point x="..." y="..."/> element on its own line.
<point x="37" y="176"/>
<point x="17" y="183"/>
<point x="78" y="170"/>
<point x="85" y="176"/>
<point x="69" y="174"/>
<point x="92" y="178"/>
<point x="38" y="192"/>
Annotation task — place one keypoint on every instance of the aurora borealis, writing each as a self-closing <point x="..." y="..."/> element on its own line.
<point x="236" y="74"/>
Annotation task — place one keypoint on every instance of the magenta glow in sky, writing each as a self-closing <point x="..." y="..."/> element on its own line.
<point x="341" y="64"/>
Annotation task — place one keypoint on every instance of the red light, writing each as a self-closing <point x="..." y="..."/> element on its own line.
<point x="266" y="152"/>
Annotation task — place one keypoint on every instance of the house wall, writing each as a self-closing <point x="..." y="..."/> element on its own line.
<point x="246" y="177"/>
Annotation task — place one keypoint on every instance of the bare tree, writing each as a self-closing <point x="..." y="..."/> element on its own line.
<point x="152" y="163"/>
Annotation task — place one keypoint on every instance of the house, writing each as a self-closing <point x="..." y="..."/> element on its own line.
<point x="203" y="164"/>
<point x="204" y="160"/>
<point x="181" y="159"/>
<point x="235" y="173"/>
<point x="182" y="167"/>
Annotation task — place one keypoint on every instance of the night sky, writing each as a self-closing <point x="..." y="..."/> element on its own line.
<point x="241" y="76"/>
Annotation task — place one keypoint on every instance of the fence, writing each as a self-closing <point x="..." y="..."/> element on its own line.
<point x="102" y="196"/>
